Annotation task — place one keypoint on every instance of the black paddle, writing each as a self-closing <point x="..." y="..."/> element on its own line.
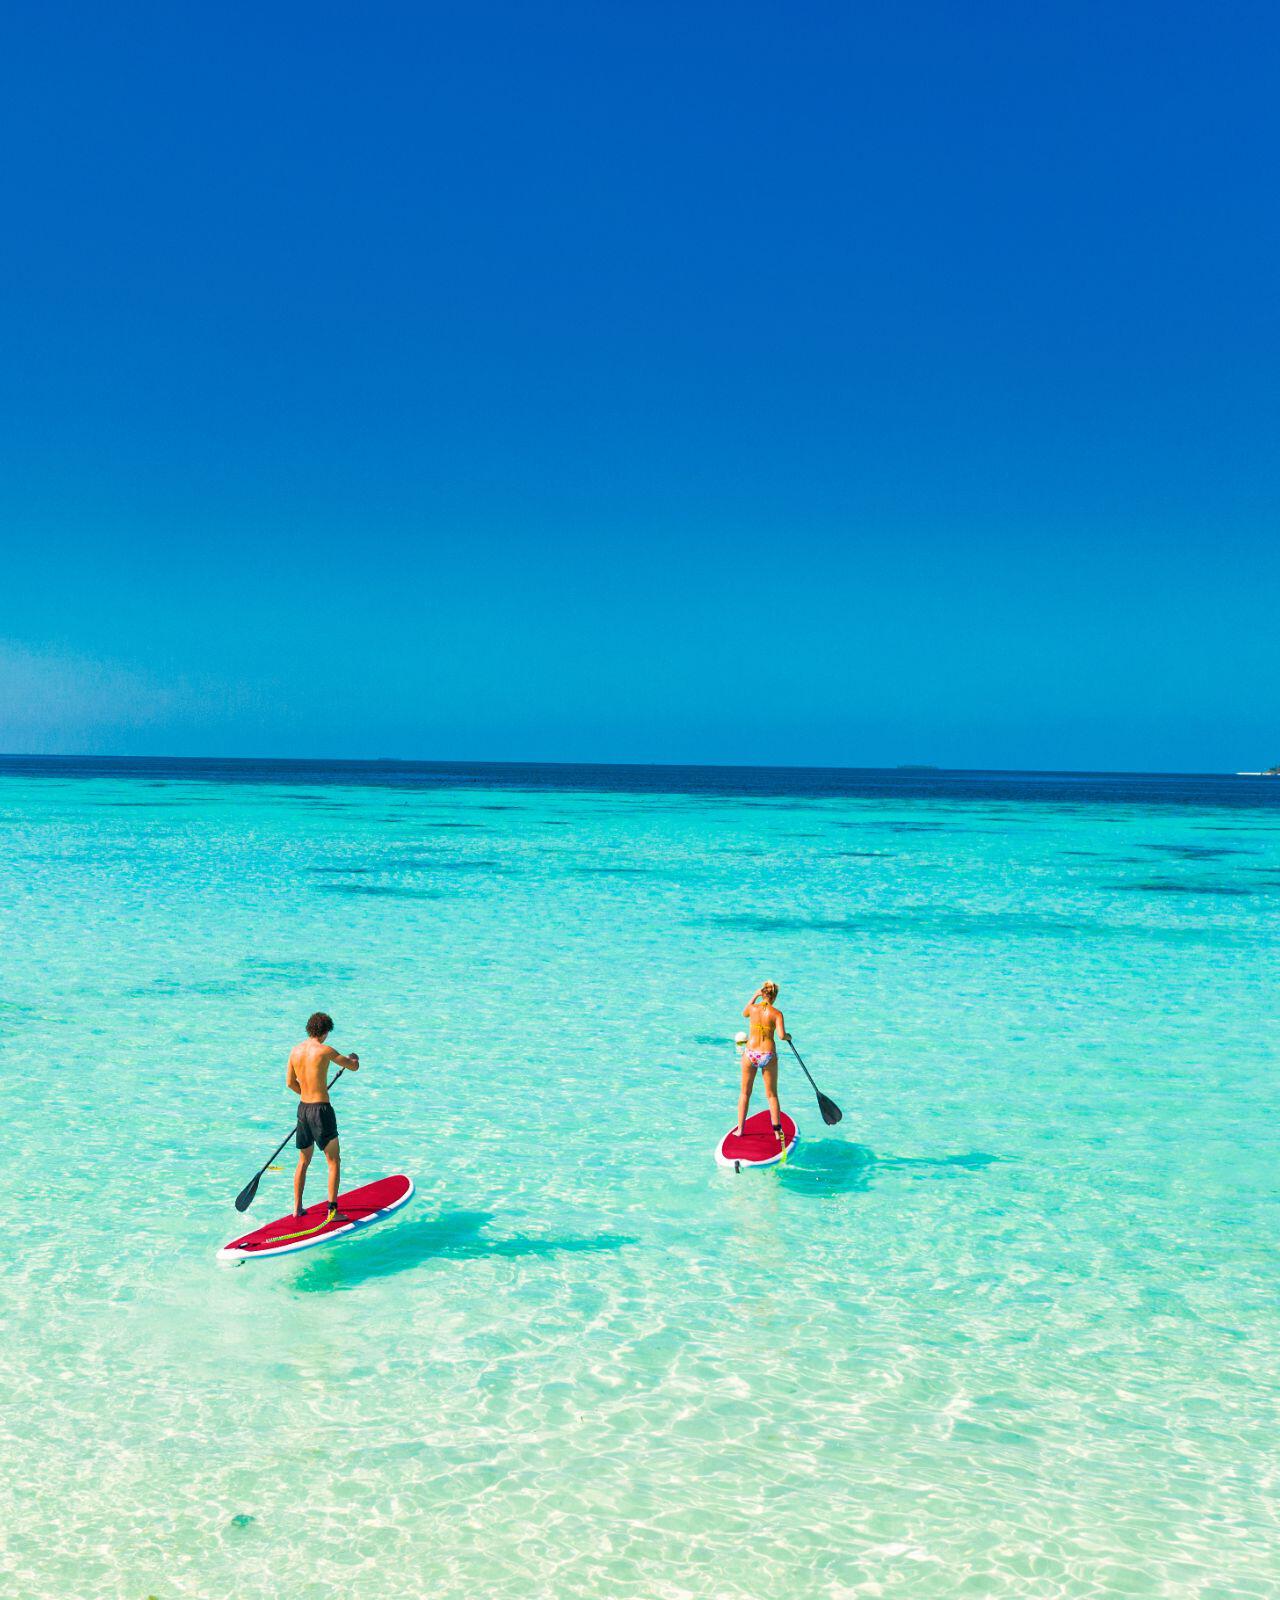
<point x="831" y="1112"/>
<point x="245" y="1198"/>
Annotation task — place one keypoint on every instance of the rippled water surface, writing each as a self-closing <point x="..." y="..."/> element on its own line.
<point x="1011" y="1329"/>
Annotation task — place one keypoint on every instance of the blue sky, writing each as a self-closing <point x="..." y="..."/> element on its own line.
<point x="847" y="385"/>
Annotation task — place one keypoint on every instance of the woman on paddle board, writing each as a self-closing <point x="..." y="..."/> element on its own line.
<point x="760" y="1054"/>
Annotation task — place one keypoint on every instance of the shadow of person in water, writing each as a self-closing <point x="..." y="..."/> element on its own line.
<point x="453" y="1235"/>
<point x="828" y="1167"/>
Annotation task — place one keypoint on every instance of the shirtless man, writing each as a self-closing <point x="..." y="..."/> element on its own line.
<point x="308" y="1077"/>
<point x="761" y="1053"/>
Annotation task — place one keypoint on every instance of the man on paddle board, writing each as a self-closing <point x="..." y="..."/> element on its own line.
<point x="760" y="1054"/>
<point x="308" y="1077"/>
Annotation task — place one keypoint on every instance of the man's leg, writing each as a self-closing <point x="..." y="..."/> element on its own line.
<point x="333" y="1156"/>
<point x="300" y="1178"/>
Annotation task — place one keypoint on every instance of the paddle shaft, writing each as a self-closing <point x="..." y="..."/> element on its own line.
<point x="831" y="1112"/>
<point x="799" y="1058"/>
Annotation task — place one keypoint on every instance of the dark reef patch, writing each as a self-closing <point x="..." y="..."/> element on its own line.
<point x="176" y="986"/>
<point x="1175" y="886"/>
<point x="974" y="924"/>
<point x="604" y="870"/>
<point x="391" y="864"/>
<point x="763" y="923"/>
<point x="442" y="864"/>
<point x="386" y="891"/>
<point x="1201" y="852"/>
<point x="295" y="971"/>
<point x="1223" y="827"/>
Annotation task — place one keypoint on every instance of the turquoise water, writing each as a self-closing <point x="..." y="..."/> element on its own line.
<point x="1011" y="1329"/>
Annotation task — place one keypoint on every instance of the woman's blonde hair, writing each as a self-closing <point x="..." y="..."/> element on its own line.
<point x="769" y="989"/>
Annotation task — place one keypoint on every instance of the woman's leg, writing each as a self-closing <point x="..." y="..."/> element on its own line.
<point x="744" y="1094"/>
<point x="770" y="1075"/>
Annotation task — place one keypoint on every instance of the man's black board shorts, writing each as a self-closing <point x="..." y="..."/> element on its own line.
<point x="317" y="1124"/>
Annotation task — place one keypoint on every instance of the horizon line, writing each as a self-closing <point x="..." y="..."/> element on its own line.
<point x="917" y="768"/>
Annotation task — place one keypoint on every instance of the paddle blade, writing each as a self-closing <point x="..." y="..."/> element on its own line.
<point x="831" y="1112"/>
<point x="245" y="1198"/>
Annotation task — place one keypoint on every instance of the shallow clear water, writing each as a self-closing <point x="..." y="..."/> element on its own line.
<point x="1010" y="1330"/>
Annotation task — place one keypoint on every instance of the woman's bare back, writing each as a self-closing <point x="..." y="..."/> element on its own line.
<point x="764" y="1020"/>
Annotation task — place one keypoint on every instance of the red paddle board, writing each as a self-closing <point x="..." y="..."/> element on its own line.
<point x="757" y="1146"/>
<point x="356" y="1209"/>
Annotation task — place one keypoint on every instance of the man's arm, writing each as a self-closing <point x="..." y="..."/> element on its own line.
<point x="349" y="1063"/>
<point x="291" y="1078"/>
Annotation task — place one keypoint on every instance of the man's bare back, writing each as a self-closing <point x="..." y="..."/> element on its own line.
<point x="309" y="1064"/>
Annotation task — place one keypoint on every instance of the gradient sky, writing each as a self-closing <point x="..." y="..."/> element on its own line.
<point x="837" y="384"/>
